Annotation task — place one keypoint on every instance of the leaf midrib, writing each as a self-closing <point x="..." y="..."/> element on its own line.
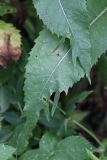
<point x="61" y="60"/>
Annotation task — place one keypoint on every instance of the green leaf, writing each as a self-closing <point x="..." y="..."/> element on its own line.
<point x="42" y="80"/>
<point x="70" y="148"/>
<point x="60" y="73"/>
<point x="66" y="16"/>
<point x="75" y="12"/>
<point x="52" y="15"/>
<point x="98" y="27"/>
<point x="49" y="78"/>
<point x="6" y="152"/>
<point x="48" y="142"/>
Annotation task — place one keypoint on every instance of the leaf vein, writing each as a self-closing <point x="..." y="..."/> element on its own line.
<point x="99" y="16"/>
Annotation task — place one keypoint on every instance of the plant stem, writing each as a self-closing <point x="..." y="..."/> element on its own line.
<point x="89" y="132"/>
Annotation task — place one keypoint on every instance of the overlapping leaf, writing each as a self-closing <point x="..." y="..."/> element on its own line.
<point x="51" y="148"/>
<point x="50" y="67"/>
<point x="66" y="16"/>
<point x="46" y="73"/>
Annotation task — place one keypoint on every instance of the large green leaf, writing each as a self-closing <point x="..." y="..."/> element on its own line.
<point x="6" y="152"/>
<point x="49" y="64"/>
<point x="47" y="68"/>
<point x="50" y="67"/>
<point x="45" y="73"/>
<point x="66" y="16"/>
<point x="71" y="148"/>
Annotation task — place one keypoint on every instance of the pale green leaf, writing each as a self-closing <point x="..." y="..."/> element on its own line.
<point x="48" y="142"/>
<point x="75" y="12"/>
<point x="47" y="69"/>
<point x="45" y="74"/>
<point x="6" y="152"/>
<point x="66" y="16"/>
<point x="50" y="67"/>
<point x="52" y="15"/>
<point x="71" y="148"/>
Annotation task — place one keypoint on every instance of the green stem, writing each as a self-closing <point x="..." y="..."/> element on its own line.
<point x="89" y="132"/>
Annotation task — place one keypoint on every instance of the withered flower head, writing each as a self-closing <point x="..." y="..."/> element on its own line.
<point x="10" y="44"/>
